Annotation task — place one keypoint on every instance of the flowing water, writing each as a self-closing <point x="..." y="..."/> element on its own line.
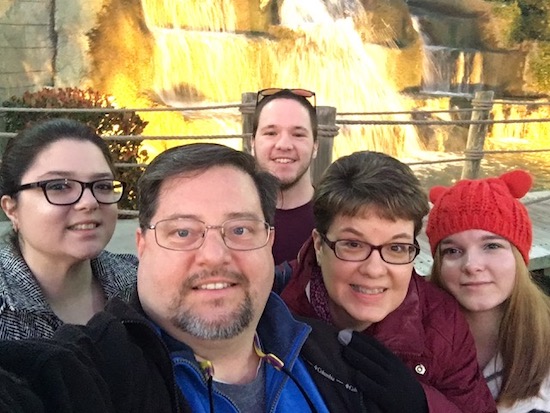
<point x="209" y="52"/>
<point x="201" y="55"/>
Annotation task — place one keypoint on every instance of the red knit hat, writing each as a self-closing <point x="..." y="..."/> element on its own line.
<point x="489" y="204"/>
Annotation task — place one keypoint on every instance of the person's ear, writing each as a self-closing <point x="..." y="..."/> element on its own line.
<point x="9" y="205"/>
<point x="140" y="242"/>
<point x="315" y="149"/>
<point x="317" y="243"/>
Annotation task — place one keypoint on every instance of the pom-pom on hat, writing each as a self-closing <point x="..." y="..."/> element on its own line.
<point x="489" y="204"/>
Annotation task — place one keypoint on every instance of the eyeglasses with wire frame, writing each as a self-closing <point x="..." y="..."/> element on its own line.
<point x="186" y="234"/>
<point x="397" y="253"/>
<point x="306" y="94"/>
<point x="69" y="191"/>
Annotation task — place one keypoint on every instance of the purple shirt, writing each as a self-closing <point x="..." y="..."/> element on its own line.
<point x="292" y="228"/>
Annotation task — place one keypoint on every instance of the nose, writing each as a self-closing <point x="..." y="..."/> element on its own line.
<point x="213" y="251"/>
<point x="472" y="262"/>
<point x="87" y="200"/>
<point x="374" y="266"/>
<point x="285" y="141"/>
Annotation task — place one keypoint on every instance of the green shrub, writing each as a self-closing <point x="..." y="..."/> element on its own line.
<point x="533" y="22"/>
<point x="540" y="66"/>
<point x="106" y="124"/>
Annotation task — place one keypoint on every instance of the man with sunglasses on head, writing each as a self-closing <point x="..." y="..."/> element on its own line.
<point x="285" y="144"/>
<point x="204" y="333"/>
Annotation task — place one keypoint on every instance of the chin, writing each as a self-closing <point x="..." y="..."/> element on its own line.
<point x="87" y="253"/>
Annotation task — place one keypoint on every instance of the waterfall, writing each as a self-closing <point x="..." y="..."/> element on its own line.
<point x="449" y="70"/>
<point x="201" y="55"/>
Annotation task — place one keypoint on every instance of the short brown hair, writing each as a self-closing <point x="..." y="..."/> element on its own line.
<point x="369" y="179"/>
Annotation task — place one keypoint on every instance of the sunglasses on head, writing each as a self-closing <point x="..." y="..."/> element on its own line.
<point x="306" y="94"/>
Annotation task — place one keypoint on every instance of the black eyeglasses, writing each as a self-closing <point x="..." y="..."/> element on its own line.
<point x="69" y="191"/>
<point x="306" y="94"/>
<point x="186" y="234"/>
<point x="397" y="253"/>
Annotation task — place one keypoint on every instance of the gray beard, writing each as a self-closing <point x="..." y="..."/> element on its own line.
<point x="228" y="327"/>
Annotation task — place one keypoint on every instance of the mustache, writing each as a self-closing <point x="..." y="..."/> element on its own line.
<point x="204" y="276"/>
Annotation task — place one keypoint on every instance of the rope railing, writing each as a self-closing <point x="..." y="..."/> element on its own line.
<point x="521" y="102"/>
<point x="330" y="122"/>
<point x="406" y="112"/>
<point x="438" y="122"/>
<point x="121" y="110"/>
<point x="125" y="138"/>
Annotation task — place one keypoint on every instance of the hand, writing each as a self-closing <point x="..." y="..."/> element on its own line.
<point x="381" y="375"/>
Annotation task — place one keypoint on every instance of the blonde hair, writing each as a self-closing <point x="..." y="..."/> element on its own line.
<point x="524" y="334"/>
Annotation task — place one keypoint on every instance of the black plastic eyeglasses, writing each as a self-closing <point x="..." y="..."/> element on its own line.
<point x="186" y="234"/>
<point x="69" y="191"/>
<point x="306" y="94"/>
<point x="397" y="253"/>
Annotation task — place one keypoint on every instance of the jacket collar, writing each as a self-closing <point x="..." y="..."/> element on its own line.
<point x="279" y="332"/>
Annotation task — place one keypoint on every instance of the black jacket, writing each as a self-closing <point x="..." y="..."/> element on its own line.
<point x="118" y="363"/>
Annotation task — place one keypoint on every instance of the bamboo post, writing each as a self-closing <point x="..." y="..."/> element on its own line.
<point x="248" y="100"/>
<point x="3" y="143"/>
<point x="482" y="104"/>
<point x="326" y="131"/>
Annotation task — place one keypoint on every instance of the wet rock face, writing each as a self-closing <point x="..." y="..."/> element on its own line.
<point x="27" y="46"/>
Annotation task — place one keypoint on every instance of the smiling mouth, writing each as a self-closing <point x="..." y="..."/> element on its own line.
<point x="214" y="286"/>
<point x="80" y="227"/>
<point x="476" y="284"/>
<point x="283" y="160"/>
<point x="368" y="291"/>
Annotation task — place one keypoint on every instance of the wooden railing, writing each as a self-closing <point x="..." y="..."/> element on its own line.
<point x="329" y="122"/>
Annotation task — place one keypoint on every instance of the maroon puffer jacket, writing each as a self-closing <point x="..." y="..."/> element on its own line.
<point x="427" y="331"/>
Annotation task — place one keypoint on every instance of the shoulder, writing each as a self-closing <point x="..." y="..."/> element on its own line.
<point x="117" y="273"/>
<point x="443" y="321"/>
<point x="537" y="404"/>
<point x="11" y="261"/>
<point x="118" y="260"/>
<point x="435" y="302"/>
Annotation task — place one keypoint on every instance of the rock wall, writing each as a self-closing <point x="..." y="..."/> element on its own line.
<point x="27" y="46"/>
<point x="40" y="46"/>
<point x="73" y="21"/>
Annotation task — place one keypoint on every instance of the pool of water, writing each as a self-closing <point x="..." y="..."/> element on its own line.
<point x="538" y="164"/>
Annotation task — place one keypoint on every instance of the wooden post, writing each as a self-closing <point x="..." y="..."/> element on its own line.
<point x="3" y="143"/>
<point x="326" y="131"/>
<point x="247" y="110"/>
<point x="482" y="104"/>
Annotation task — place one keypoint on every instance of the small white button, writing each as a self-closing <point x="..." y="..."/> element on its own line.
<point x="420" y="369"/>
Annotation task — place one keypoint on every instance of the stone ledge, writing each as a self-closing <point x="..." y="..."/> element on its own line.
<point x="27" y="12"/>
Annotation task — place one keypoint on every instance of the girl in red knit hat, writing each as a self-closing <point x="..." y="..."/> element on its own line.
<point x="480" y="235"/>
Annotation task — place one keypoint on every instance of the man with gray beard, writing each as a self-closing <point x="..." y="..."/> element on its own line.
<point x="205" y="278"/>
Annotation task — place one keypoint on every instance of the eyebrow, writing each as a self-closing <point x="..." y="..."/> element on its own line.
<point x="231" y="215"/>
<point x="71" y="174"/>
<point x="450" y="240"/>
<point x="353" y="231"/>
<point x="294" y="127"/>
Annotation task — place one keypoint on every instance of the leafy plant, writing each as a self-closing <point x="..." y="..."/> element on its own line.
<point x="106" y="124"/>
<point x="540" y="66"/>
